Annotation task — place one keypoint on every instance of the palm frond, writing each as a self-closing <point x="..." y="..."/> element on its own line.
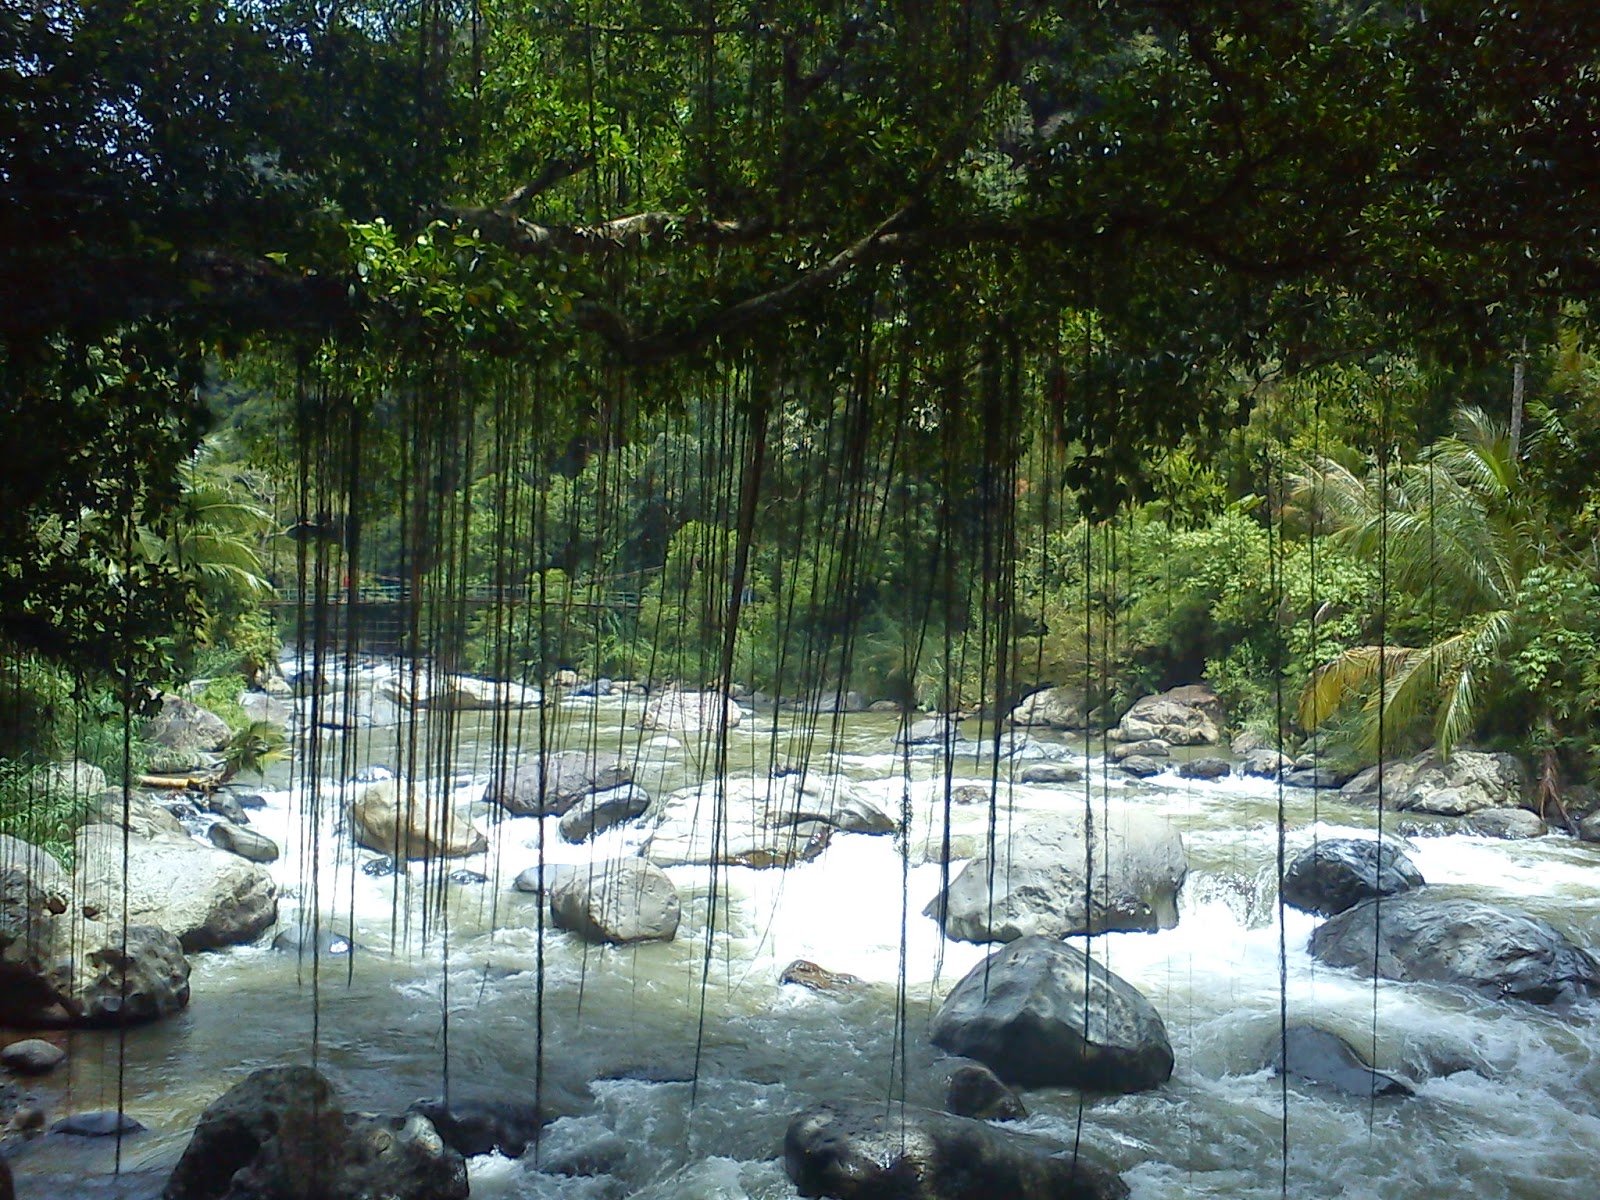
<point x="1353" y="673"/>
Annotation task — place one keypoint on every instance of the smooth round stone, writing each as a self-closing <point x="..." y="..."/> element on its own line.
<point x="97" y="1124"/>
<point x="35" y="1056"/>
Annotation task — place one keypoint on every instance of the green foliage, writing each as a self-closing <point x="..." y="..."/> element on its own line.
<point x="36" y="810"/>
<point x="253" y="747"/>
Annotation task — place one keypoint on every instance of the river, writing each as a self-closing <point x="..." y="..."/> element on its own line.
<point x="1507" y="1100"/>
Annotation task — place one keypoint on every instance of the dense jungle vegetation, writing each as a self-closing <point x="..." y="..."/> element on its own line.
<point x="933" y="351"/>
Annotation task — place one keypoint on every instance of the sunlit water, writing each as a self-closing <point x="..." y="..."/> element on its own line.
<point x="448" y="981"/>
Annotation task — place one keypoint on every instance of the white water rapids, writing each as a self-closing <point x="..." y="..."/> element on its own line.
<point x="1508" y="1095"/>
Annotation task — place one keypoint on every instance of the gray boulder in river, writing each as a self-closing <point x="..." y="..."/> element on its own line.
<point x="1183" y="716"/>
<point x="599" y="811"/>
<point x="396" y="818"/>
<point x="621" y="901"/>
<point x="1467" y="781"/>
<point x="1332" y="875"/>
<point x="207" y="898"/>
<point x="1417" y="937"/>
<point x="553" y="783"/>
<point x="281" y="1128"/>
<point x="1026" y="1012"/>
<point x="874" y="1152"/>
<point x="1038" y="883"/>
<point x="1317" y="1056"/>
<point x="1052" y="708"/>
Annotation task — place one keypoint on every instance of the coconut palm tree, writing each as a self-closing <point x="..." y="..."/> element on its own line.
<point x="1456" y="530"/>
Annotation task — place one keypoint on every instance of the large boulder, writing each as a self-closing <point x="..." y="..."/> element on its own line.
<point x="204" y="897"/>
<point x="621" y="901"/>
<point x="396" y="818"/>
<point x="764" y="822"/>
<point x="1335" y="874"/>
<point x="1042" y="1015"/>
<point x="689" y="712"/>
<point x="938" y="730"/>
<point x="878" y="1152"/>
<point x="75" y="971"/>
<point x="599" y="811"/>
<point x="1037" y="882"/>
<point x="75" y="778"/>
<point x="24" y="865"/>
<point x="1469" y="780"/>
<point x="138" y="813"/>
<point x="1183" y="716"/>
<point x="552" y="784"/>
<point x="1417" y="937"/>
<point x="1052" y="708"/>
<point x="281" y="1134"/>
<point x="480" y="1126"/>
<point x="457" y="693"/>
<point x="184" y="728"/>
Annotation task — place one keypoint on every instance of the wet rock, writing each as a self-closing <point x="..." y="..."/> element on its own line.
<point x="930" y="731"/>
<point x="1337" y="873"/>
<point x="32" y="883"/>
<point x="1141" y="767"/>
<point x="1049" y="773"/>
<point x="263" y="706"/>
<point x="1051" y="708"/>
<point x="1321" y="778"/>
<point x="1041" y="1015"/>
<point x="108" y="980"/>
<point x="73" y="778"/>
<point x="1205" y="768"/>
<point x="1589" y="828"/>
<point x="884" y="706"/>
<point x="205" y="897"/>
<point x="1149" y="748"/>
<point x="332" y="943"/>
<point x="281" y="1134"/>
<point x="380" y="868"/>
<point x="539" y="880"/>
<point x="32" y="1056"/>
<point x="599" y="811"/>
<point x="1317" y="1056"/>
<point x="973" y="1090"/>
<point x="1415" y="937"/>
<point x="226" y="805"/>
<point x="1245" y="743"/>
<point x="457" y="693"/>
<point x="97" y="1124"/>
<point x="398" y="819"/>
<point x="622" y="901"/>
<point x="1183" y="716"/>
<point x="690" y="712"/>
<point x="969" y="793"/>
<point x="246" y="843"/>
<point x="1508" y="823"/>
<point x="466" y="878"/>
<point x="819" y="979"/>
<point x="1039" y="886"/>
<point x="868" y="1152"/>
<point x="22" y="1115"/>
<point x="249" y="801"/>
<point x="551" y="786"/>
<point x="1264" y="763"/>
<point x="482" y="1126"/>
<point x="772" y="822"/>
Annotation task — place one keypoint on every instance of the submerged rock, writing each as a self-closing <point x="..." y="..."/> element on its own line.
<point x="1141" y="766"/>
<point x="690" y="712"/>
<point x="1416" y="937"/>
<point x="1332" y="875"/>
<point x="760" y="822"/>
<point x="1205" y="768"/>
<point x="1026" y="1013"/>
<point x="1038" y="886"/>
<point x="1049" y="773"/>
<point x="867" y="1152"/>
<point x="819" y="979"/>
<point x="481" y="1126"/>
<point x="1317" y="1056"/>
<point x="97" y="1124"/>
<point x="281" y="1134"/>
<point x="973" y="1090"/>
<point x="621" y="901"/>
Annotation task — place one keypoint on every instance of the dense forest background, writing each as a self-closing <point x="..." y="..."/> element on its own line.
<point x="935" y="352"/>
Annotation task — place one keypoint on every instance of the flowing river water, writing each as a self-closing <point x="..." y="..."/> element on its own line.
<point x="1507" y="1101"/>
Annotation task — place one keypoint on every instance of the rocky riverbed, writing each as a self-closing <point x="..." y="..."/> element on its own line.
<point x="637" y="1011"/>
